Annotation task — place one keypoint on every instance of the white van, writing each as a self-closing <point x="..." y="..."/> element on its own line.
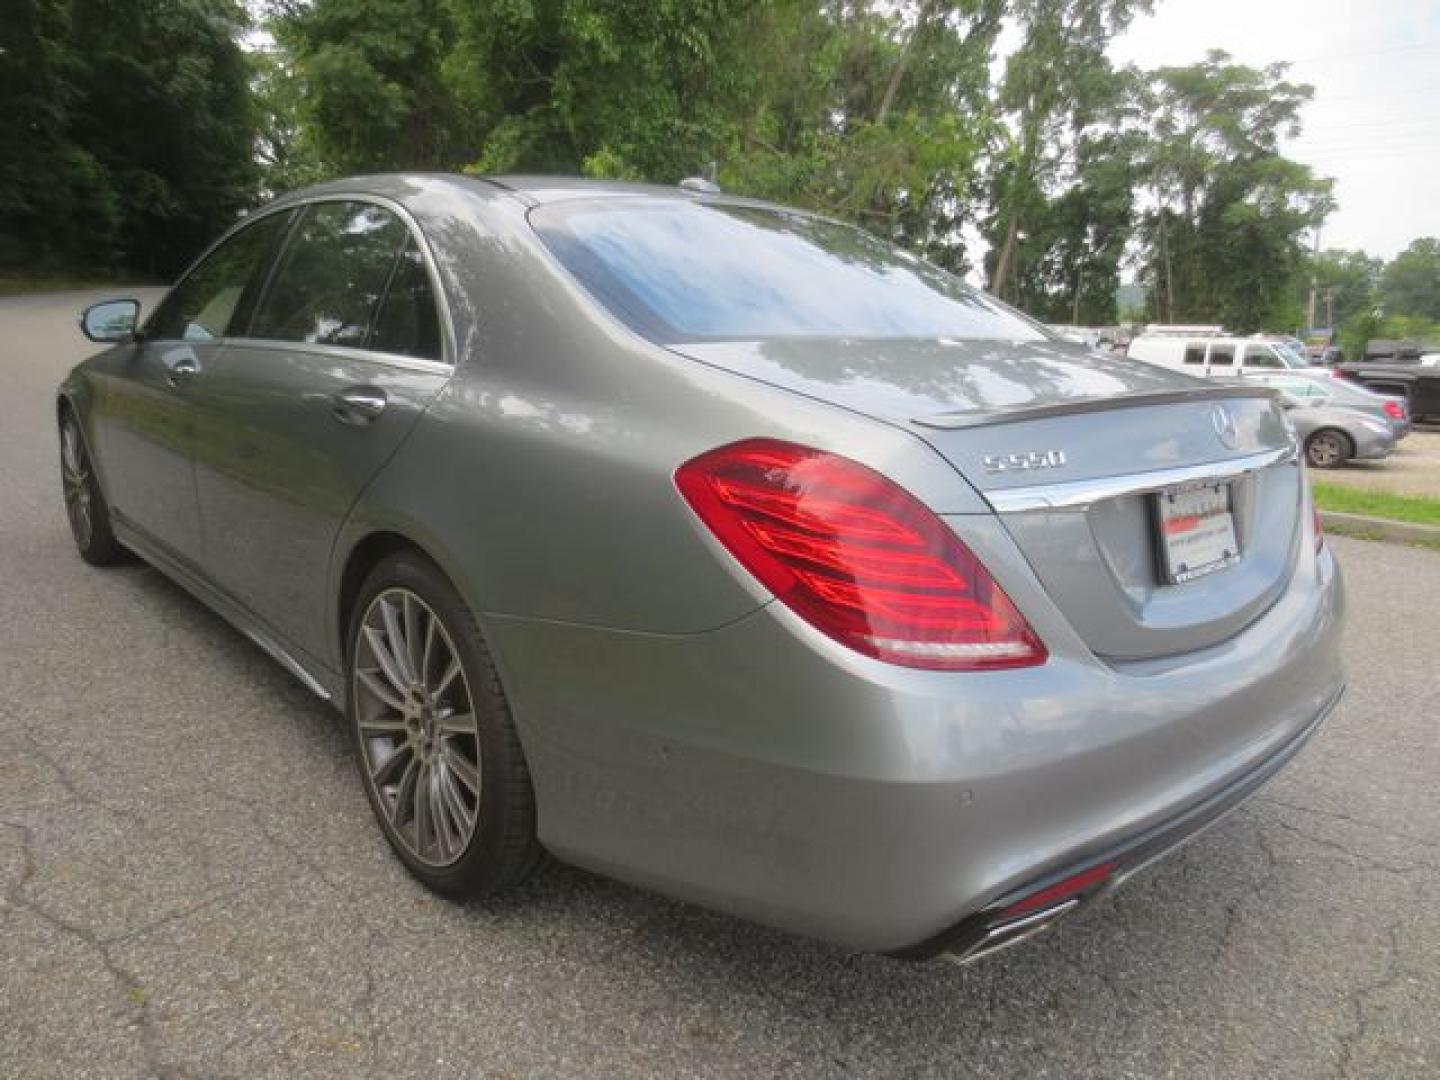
<point x="1216" y="354"/>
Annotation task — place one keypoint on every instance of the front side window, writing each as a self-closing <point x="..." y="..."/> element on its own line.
<point x="205" y="304"/>
<point x="330" y="279"/>
<point x="1222" y="356"/>
<point x="685" y="271"/>
<point x="1262" y="356"/>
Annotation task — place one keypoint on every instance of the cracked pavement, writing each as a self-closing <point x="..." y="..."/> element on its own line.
<point x="191" y="884"/>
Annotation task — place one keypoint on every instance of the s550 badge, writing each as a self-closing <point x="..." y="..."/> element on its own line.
<point x="1034" y="459"/>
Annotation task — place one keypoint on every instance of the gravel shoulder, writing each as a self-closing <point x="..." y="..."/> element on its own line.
<point x="1413" y="469"/>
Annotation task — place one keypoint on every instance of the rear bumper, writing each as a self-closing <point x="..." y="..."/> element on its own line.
<point x="1373" y="445"/>
<point x="991" y="929"/>
<point x="767" y="772"/>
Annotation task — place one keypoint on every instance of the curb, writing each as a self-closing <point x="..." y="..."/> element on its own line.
<point x="1372" y="528"/>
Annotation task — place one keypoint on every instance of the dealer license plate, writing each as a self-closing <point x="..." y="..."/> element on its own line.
<point x="1197" y="531"/>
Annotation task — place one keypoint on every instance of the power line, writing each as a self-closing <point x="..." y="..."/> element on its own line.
<point x="1421" y="139"/>
<point x="1409" y="92"/>
<point x="1364" y="52"/>
<point x="1374" y="124"/>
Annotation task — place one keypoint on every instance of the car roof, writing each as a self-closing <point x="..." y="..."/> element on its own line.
<point x="534" y="190"/>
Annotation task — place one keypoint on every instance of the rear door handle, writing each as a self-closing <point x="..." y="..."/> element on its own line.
<point x="359" y="405"/>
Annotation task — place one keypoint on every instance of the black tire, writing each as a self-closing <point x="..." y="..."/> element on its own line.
<point x="502" y="850"/>
<point x="1328" y="448"/>
<point x="85" y="505"/>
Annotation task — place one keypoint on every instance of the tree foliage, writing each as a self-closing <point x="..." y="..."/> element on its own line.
<point x="1411" y="283"/>
<point x="131" y="149"/>
<point x="128" y="131"/>
<point x="1223" y="239"/>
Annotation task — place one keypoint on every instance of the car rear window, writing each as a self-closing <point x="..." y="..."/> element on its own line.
<point x="683" y="271"/>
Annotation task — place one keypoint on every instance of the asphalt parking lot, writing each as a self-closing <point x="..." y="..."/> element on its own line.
<point x="191" y="885"/>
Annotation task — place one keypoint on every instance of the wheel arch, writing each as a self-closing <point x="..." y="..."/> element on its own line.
<point x="70" y="399"/>
<point x="364" y="555"/>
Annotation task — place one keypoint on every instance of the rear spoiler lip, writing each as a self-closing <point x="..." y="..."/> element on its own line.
<point x="982" y="418"/>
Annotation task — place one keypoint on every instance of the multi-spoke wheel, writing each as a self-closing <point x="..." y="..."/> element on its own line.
<point x="417" y="727"/>
<point x="84" y="504"/>
<point x="437" y="749"/>
<point x="1328" y="449"/>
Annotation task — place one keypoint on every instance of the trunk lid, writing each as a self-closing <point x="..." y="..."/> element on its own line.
<point x="1071" y="449"/>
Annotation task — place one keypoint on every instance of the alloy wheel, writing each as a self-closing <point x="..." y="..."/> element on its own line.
<point x="1326" y="450"/>
<point x="417" y="727"/>
<point x="75" y="479"/>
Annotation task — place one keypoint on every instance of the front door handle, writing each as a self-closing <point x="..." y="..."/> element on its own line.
<point x="359" y="405"/>
<point x="182" y="369"/>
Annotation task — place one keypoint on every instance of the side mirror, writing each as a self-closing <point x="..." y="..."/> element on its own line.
<point x="111" y="321"/>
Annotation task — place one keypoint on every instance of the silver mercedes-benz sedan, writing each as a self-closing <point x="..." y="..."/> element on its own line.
<point x="717" y="547"/>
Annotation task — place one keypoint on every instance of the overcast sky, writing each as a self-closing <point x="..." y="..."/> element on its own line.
<point x="1374" y="125"/>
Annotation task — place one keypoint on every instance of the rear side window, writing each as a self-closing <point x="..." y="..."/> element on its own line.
<point x="1299" y="388"/>
<point x="206" y="303"/>
<point x="328" y="284"/>
<point x="1194" y="354"/>
<point x="1222" y="356"/>
<point x="407" y="322"/>
<point x="678" y="270"/>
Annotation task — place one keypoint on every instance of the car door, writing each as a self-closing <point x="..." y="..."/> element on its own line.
<point x="303" y="406"/>
<point x="145" y="422"/>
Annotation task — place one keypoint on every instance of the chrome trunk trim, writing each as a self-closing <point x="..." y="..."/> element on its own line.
<point x="1078" y="494"/>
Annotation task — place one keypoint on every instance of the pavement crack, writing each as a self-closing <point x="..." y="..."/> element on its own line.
<point x="173" y="917"/>
<point x="1257" y="890"/>
<point x="1336" y="815"/>
<point x="71" y="787"/>
<point x="1350" y="1041"/>
<point x="134" y="998"/>
<point x="1363" y="858"/>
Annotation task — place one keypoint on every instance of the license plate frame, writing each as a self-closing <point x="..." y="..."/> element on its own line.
<point x="1195" y="530"/>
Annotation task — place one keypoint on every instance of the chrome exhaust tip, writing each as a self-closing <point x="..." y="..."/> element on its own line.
<point x="999" y="936"/>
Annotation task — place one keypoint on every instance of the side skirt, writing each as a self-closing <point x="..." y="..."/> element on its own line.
<point x="322" y="683"/>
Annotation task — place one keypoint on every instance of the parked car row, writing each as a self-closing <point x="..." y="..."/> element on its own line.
<point x="1338" y="419"/>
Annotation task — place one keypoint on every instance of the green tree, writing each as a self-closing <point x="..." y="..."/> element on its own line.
<point x="54" y="194"/>
<point x="284" y="140"/>
<point x="372" y="87"/>
<point x="1056" y="84"/>
<point x="1067" y="267"/>
<point x="1345" y="285"/>
<point x="875" y="113"/>
<point x="1411" y="282"/>
<point x="123" y="147"/>
<point x="1222" y="241"/>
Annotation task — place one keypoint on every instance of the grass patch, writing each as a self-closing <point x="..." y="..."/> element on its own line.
<point x="1379" y="504"/>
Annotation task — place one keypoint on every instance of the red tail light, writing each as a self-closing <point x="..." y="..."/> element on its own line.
<point x="857" y="557"/>
<point x="1394" y="409"/>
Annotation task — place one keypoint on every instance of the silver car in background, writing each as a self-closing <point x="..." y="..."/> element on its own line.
<point x="717" y="547"/>
<point x="1339" y="421"/>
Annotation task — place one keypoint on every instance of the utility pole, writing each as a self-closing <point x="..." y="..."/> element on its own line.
<point x="1313" y="283"/>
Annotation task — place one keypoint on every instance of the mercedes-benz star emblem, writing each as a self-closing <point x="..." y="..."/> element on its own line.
<point x="1224" y="424"/>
